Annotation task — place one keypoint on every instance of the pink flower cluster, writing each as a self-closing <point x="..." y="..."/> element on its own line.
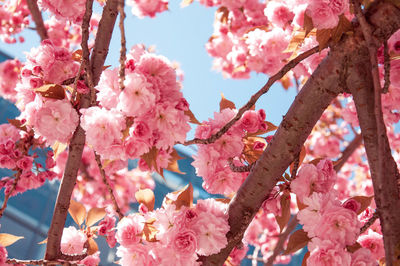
<point x="212" y="160"/>
<point x="9" y="76"/>
<point x="325" y="13"/>
<point x="14" y="147"/>
<point x="90" y="188"/>
<point x="13" y="19"/>
<point x="151" y="104"/>
<point x="65" y="9"/>
<point x="180" y="235"/>
<point x="144" y="8"/>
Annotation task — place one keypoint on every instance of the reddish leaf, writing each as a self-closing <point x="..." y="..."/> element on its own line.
<point x="173" y="163"/>
<point x="77" y="55"/>
<point x="192" y="118"/>
<point x="298" y="240"/>
<point x="364" y="201"/>
<point x="323" y="37"/>
<point x="150" y="231"/>
<point x="300" y="205"/>
<point x="93" y="248"/>
<point x="353" y="248"/>
<point x="17" y="123"/>
<point x="285" y="211"/>
<point x="43" y="241"/>
<point x="343" y="26"/>
<point x="307" y="24"/>
<point x="224" y="14"/>
<point x="8" y="239"/>
<point x="224" y="103"/>
<point x="286" y="82"/>
<point x="184" y="197"/>
<point x="270" y="127"/>
<point x="297" y="39"/>
<point x="301" y="158"/>
<point x="52" y="91"/>
<point x="95" y="215"/>
<point x="223" y="200"/>
<point x="146" y="197"/>
<point x="151" y="159"/>
<point x="77" y="212"/>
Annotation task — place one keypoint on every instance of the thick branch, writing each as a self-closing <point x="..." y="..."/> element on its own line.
<point x="346" y="154"/>
<point x="37" y="18"/>
<point x="315" y="96"/>
<point x="289" y="66"/>
<point x="77" y="143"/>
<point x="320" y="89"/>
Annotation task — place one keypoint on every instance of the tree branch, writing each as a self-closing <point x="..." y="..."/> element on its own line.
<point x="9" y="194"/>
<point x="314" y="97"/>
<point x="370" y="222"/>
<point x="110" y="190"/>
<point x="122" y="56"/>
<point x="346" y="154"/>
<point x="290" y="65"/>
<point x="383" y="168"/>
<point x="37" y="18"/>
<point x="282" y="238"/>
<point x="240" y="169"/>
<point x="77" y="143"/>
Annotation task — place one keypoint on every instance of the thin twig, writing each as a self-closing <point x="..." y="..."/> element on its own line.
<point x="122" y="56"/>
<point x="110" y="190"/>
<point x="290" y="65"/>
<point x="240" y="169"/>
<point x="38" y="19"/>
<point x="85" y="51"/>
<point x="346" y="154"/>
<point x="281" y="241"/>
<point x="39" y="262"/>
<point x="296" y="163"/>
<point x="386" y="66"/>
<point x="369" y="222"/>
<point x="9" y="194"/>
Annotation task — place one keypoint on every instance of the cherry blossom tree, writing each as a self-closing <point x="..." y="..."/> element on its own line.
<point x="330" y="166"/>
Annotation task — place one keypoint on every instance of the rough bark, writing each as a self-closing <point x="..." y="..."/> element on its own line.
<point x="76" y="146"/>
<point x="385" y="187"/>
<point x="305" y="111"/>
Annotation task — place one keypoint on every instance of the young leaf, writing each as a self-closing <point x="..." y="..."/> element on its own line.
<point x="192" y="118"/>
<point x="323" y="37"/>
<point x="150" y="231"/>
<point x="52" y="91"/>
<point x="77" y="55"/>
<point x="151" y="159"/>
<point x="184" y="197"/>
<point x="224" y="103"/>
<point x="58" y="148"/>
<point x="17" y="123"/>
<point x="43" y="241"/>
<point x="173" y="163"/>
<point x="285" y="211"/>
<point x="307" y="24"/>
<point x="343" y="26"/>
<point x="146" y="197"/>
<point x="353" y="248"/>
<point x="77" y="212"/>
<point x="286" y="82"/>
<point x="8" y="239"/>
<point x="95" y="215"/>
<point x="298" y="240"/>
<point x="364" y="201"/>
<point x="93" y="248"/>
<point x="301" y="158"/>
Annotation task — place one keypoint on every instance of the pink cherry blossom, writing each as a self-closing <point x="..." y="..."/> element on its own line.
<point x="142" y="8"/>
<point x="374" y="242"/>
<point x="362" y="257"/>
<point x="56" y="120"/>
<point x="71" y="10"/>
<point x="327" y="253"/>
<point x="72" y="241"/>
<point x="185" y="242"/>
<point x="129" y="230"/>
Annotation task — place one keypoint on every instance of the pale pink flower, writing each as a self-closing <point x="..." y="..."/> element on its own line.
<point x="3" y="255"/>
<point x="362" y="257"/>
<point x="92" y="260"/>
<point x="250" y="121"/>
<point x="338" y="224"/>
<point x="326" y="176"/>
<point x="65" y="9"/>
<point x="25" y="163"/>
<point x="56" y="120"/>
<point x="142" y="8"/>
<point x="135" y="255"/>
<point x="301" y="186"/>
<point x="108" y="88"/>
<point x="322" y="15"/>
<point x="8" y="132"/>
<point x="278" y="13"/>
<point x="327" y="253"/>
<point x="374" y="242"/>
<point x="211" y="232"/>
<point x="137" y="98"/>
<point x="185" y="243"/>
<point x="72" y="241"/>
<point x="129" y="230"/>
<point x="352" y="204"/>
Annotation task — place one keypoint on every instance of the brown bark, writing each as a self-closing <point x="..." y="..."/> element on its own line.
<point x="385" y="186"/>
<point x="76" y="146"/>
<point x="305" y="111"/>
<point x="37" y="18"/>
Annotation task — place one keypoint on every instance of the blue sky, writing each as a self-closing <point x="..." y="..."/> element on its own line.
<point x="180" y="34"/>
